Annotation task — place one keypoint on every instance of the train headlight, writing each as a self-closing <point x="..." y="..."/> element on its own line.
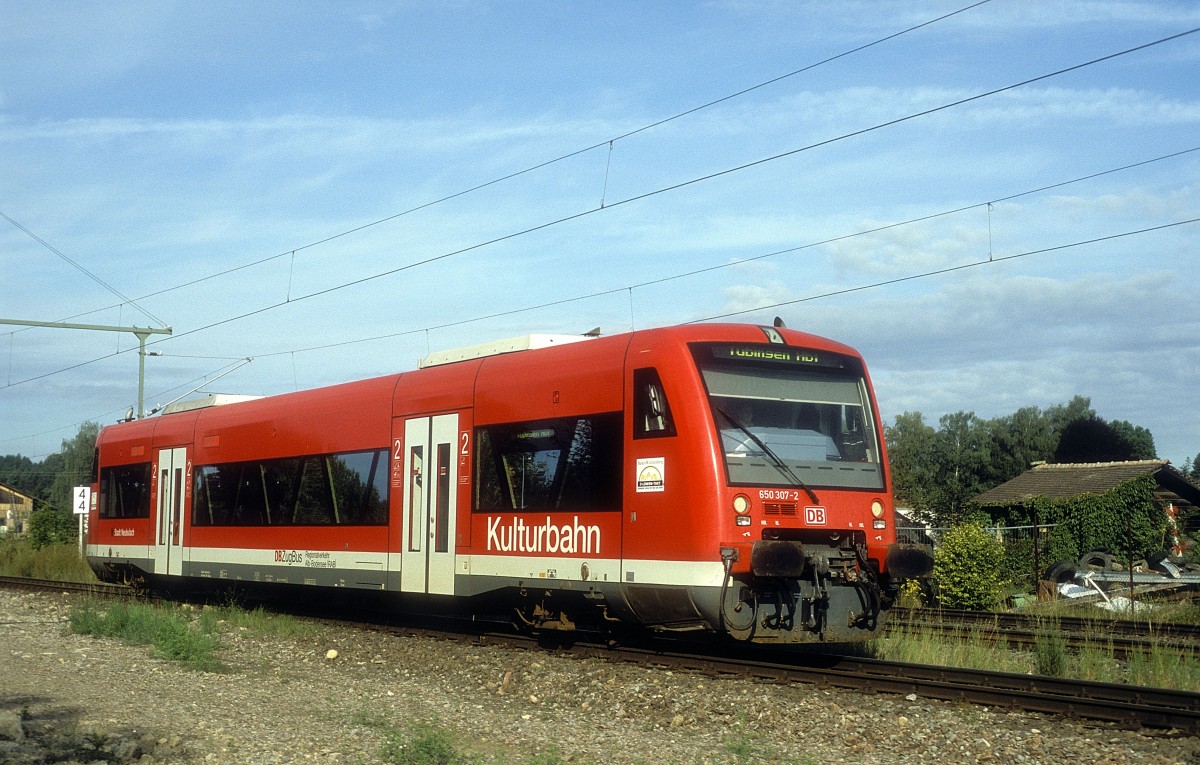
<point x="741" y="506"/>
<point x="877" y="508"/>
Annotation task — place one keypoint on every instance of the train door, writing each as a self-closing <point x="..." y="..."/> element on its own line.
<point x="172" y="486"/>
<point x="430" y="489"/>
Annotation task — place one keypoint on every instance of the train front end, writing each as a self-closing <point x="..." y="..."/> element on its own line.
<point x="805" y="517"/>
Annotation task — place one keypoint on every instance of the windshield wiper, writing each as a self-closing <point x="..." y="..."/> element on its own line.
<point x="775" y="458"/>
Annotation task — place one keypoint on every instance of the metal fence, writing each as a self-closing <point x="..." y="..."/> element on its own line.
<point x="1025" y="547"/>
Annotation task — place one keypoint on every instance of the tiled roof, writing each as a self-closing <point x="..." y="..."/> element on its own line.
<point x="1072" y="480"/>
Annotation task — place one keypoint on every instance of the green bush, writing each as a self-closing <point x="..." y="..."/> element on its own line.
<point x="1125" y="521"/>
<point x="968" y="567"/>
<point x="51" y="526"/>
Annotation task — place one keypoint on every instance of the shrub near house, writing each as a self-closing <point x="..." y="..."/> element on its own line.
<point x="967" y="568"/>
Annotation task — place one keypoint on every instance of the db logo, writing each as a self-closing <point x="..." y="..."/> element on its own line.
<point x="814" y="516"/>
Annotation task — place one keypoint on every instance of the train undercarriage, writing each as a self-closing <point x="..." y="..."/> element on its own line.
<point x="795" y="594"/>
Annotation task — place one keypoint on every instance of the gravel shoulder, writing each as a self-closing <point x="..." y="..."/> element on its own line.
<point x="80" y="699"/>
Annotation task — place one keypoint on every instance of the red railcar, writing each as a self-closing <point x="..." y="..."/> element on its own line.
<point x="728" y="478"/>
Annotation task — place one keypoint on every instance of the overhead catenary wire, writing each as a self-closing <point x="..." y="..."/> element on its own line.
<point x="202" y="379"/>
<point x="336" y="287"/>
<point x="77" y="266"/>
<point x="764" y="307"/>
<point x="690" y="182"/>
<point x="630" y="288"/>
<point x="950" y="269"/>
<point x="569" y="155"/>
<point x="698" y="271"/>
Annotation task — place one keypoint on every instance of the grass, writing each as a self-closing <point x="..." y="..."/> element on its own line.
<point x="968" y="648"/>
<point x="1050" y="655"/>
<point x="259" y="621"/>
<point x="744" y="749"/>
<point x="431" y="743"/>
<point x="173" y="635"/>
<point x="60" y="562"/>
<point x="181" y="632"/>
<point x="1161" y="666"/>
<point x="422" y="744"/>
<point x="195" y="641"/>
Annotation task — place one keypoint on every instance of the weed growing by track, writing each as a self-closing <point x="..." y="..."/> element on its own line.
<point x="181" y="632"/>
<point x="172" y="634"/>
<point x="431" y="743"/>
<point x="969" y="648"/>
<point x="1050" y="655"/>
<point x="1157" y="667"/>
<point x="59" y="562"/>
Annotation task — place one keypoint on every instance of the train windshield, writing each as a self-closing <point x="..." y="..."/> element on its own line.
<point x="792" y="417"/>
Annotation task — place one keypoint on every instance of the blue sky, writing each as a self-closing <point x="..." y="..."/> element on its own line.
<point x="336" y="189"/>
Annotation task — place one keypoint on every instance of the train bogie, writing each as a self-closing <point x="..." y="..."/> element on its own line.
<point x="722" y="478"/>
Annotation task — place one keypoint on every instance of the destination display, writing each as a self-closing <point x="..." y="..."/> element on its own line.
<point x="776" y="355"/>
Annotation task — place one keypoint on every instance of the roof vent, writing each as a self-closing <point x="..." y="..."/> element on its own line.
<point x="212" y="399"/>
<point x="497" y="347"/>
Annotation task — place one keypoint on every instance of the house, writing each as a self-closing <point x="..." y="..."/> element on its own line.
<point x="1072" y="480"/>
<point x="15" y="509"/>
<point x="1175" y="493"/>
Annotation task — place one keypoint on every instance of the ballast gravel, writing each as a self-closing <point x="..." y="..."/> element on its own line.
<point x="338" y="697"/>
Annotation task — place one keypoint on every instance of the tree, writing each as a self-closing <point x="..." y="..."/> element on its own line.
<point x="961" y="454"/>
<point x="75" y="466"/>
<point x="936" y="472"/>
<point x="50" y="483"/>
<point x="1139" y="440"/>
<point x="910" y="442"/>
<point x="52" y="526"/>
<point x="26" y="476"/>
<point x="1026" y="436"/>
<point x="1091" y="439"/>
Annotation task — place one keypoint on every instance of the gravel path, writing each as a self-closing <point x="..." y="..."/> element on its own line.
<point x="73" y="698"/>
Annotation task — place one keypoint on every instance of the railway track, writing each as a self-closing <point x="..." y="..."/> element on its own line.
<point x="1021" y="631"/>
<point x="100" y="589"/>
<point x="1025" y="621"/>
<point x="1121" y="704"/>
<point x="1126" y="705"/>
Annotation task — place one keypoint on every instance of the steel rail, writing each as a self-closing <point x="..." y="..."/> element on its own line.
<point x="1128" y="705"/>
<point x="1004" y="620"/>
<point x="1122" y="638"/>
<point x="1120" y="704"/>
<point x="101" y="589"/>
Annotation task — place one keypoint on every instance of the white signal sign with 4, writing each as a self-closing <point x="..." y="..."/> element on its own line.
<point x="82" y="500"/>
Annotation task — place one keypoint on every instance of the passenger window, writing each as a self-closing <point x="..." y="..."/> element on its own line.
<point x="651" y="412"/>
<point x="342" y="489"/>
<point x="573" y="463"/>
<point x="125" y="491"/>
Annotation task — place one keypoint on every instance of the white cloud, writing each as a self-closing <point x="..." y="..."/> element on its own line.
<point x="153" y="156"/>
